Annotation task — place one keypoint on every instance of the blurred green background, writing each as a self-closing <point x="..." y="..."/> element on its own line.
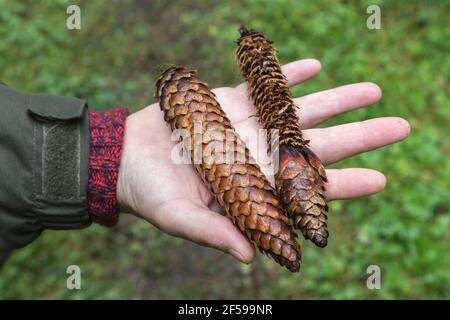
<point x="113" y="60"/>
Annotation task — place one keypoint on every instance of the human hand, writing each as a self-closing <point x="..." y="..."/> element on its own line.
<point x="173" y="198"/>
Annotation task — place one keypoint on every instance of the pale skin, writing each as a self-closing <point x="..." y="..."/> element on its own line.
<point x="173" y="198"/>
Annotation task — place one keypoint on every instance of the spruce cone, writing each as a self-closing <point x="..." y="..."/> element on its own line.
<point x="238" y="185"/>
<point x="301" y="176"/>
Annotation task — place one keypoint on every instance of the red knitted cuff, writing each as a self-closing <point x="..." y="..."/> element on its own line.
<point x="107" y="131"/>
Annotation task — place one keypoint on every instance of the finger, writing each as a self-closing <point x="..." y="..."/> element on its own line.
<point x="301" y="70"/>
<point x="353" y="182"/>
<point x="321" y="106"/>
<point x="297" y="72"/>
<point x="206" y="228"/>
<point x="340" y="142"/>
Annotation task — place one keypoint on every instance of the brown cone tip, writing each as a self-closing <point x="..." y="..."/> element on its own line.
<point x="300" y="184"/>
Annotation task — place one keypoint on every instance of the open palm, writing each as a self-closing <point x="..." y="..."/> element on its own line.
<point x="173" y="198"/>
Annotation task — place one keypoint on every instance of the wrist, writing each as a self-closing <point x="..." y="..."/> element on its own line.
<point x="123" y="198"/>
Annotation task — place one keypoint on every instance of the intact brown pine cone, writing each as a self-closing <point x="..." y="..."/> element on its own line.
<point x="301" y="176"/>
<point x="238" y="184"/>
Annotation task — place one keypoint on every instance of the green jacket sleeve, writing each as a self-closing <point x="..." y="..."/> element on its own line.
<point x="44" y="150"/>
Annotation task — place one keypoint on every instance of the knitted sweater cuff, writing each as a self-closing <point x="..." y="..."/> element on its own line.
<point x="107" y="130"/>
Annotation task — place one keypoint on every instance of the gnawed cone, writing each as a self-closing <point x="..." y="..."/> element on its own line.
<point x="301" y="176"/>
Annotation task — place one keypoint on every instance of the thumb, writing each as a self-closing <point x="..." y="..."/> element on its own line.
<point x="206" y="228"/>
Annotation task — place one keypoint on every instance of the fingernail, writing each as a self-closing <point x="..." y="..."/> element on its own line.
<point x="237" y="255"/>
